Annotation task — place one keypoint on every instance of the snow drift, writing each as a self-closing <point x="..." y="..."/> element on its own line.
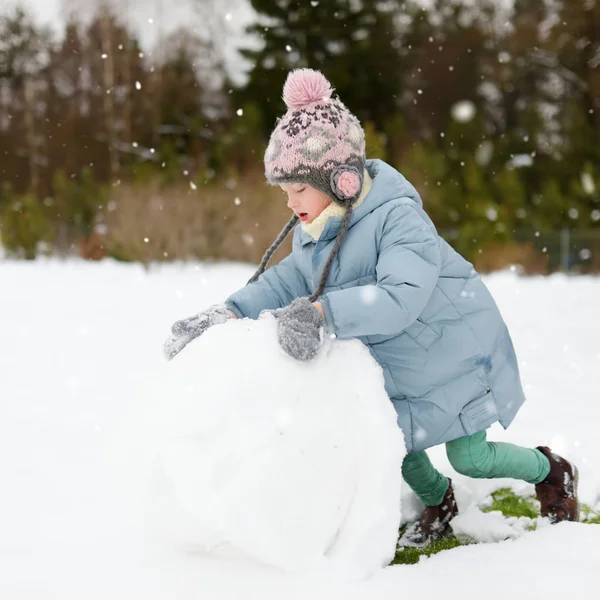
<point x="252" y="454"/>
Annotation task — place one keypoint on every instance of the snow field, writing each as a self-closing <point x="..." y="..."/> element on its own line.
<point x="80" y="346"/>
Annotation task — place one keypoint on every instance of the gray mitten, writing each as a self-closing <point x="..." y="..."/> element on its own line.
<point x="184" y="331"/>
<point x="299" y="329"/>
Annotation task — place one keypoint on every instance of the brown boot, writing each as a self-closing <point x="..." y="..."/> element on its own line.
<point x="433" y="524"/>
<point x="558" y="492"/>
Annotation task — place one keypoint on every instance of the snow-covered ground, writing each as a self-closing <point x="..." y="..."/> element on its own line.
<point x="79" y="340"/>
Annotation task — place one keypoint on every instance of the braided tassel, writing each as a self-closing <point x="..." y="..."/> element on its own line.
<point x="273" y="248"/>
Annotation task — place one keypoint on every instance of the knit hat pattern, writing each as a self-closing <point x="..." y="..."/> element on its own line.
<point x="318" y="141"/>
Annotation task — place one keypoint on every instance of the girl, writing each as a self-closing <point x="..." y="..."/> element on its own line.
<point x="368" y="263"/>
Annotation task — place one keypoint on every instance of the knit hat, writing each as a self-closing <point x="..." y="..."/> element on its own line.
<point x="318" y="142"/>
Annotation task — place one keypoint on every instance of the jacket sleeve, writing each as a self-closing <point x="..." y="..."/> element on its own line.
<point x="407" y="270"/>
<point x="275" y="288"/>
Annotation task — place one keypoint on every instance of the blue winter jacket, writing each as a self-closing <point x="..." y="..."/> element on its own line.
<point x="427" y="318"/>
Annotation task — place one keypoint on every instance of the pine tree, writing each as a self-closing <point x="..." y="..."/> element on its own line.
<point x="354" y="43"/>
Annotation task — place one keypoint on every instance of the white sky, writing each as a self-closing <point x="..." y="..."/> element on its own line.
<point x="147" y="17"/>
<point x="54" y="12"/>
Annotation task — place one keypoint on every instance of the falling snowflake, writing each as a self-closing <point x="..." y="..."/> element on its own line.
<point x="520" y="160"/>
<point x="491" y="213"/>
<point x="463" y="111"/>
<point x="368" y="294"/>
<point x="138" y="85"/>
<point x="587" y="183"/>
<point x="419" y="434"/>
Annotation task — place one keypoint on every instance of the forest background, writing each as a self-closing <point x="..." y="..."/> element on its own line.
<point x="108" y="148"/>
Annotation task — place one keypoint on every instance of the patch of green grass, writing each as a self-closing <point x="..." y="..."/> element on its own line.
<point x="411" y="556"/>
<point x="512" y="505"/>
<point x="503" y="500"/>
<point x="589" y="515"/>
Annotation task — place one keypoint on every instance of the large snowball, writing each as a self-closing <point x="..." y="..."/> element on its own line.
<point x="296" y="465"/>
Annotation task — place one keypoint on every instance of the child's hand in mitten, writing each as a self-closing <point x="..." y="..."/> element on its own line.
<point x="299" y="329"/>
<point x="184" y="331"/>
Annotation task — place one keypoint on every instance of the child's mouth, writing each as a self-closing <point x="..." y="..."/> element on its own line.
<point x="303" y="216"/>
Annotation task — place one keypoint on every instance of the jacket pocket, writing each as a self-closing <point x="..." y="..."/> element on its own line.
<point x="479" y="413"/>
<point x="422" y="334"/>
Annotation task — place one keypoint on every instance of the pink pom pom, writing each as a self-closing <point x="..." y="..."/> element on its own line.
<point x="348" y="184"/>
<point x="305" y="86"/>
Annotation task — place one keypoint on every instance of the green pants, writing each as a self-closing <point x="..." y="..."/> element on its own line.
<point x="473" y="456"/>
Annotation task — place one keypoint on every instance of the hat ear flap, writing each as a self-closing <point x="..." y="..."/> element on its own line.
<point x="346" y="184"/>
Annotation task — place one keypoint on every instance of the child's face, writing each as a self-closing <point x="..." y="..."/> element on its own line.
<point x="307" y="202"/>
